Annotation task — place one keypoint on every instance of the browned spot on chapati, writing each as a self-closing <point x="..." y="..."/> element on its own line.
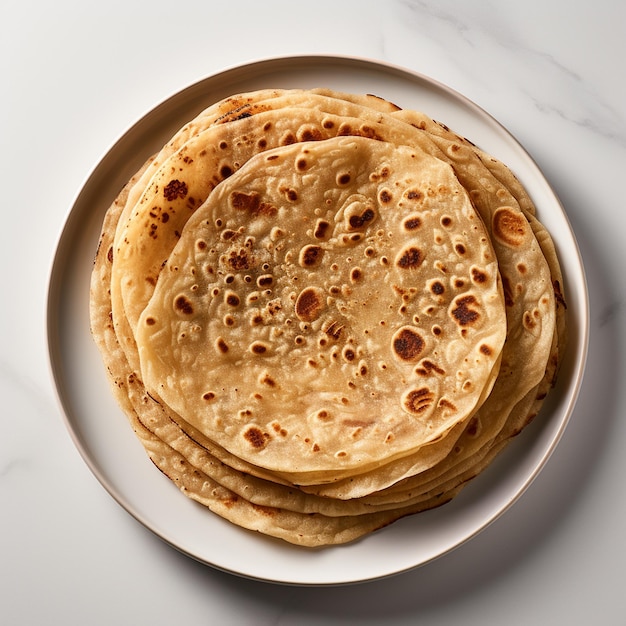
<point x="310" y="304"/>
<point x="408" y="344"/>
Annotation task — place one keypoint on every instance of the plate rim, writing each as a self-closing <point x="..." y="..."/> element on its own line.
<point x="53" y="296"/>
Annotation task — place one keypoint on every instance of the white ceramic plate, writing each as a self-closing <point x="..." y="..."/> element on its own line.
<point x="109" y="447"/>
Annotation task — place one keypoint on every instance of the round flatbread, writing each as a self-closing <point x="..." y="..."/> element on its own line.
<point x="332" y="306"/>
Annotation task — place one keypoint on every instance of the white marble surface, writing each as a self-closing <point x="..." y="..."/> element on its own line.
<point x="75" y="77"/>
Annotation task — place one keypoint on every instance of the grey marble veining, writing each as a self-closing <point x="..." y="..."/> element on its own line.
<point x="510" y="62"/>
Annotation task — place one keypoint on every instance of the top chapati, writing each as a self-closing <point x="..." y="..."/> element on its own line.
<point x="332" y="306"/>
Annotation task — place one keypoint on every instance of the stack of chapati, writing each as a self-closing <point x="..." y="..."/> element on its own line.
<point x="322" y="313"/>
